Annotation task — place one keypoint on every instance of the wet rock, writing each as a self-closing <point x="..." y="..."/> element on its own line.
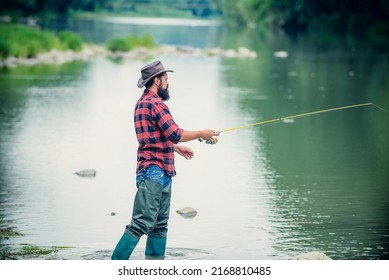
<point x="137" y="53"/>
<point x="5" y="19"/>
<point x="312" y="256"/>
<point x="187" y="212"/>
<point x="239" y="53"/>
<point x="55" y="57"/>
<point x="86" y="173"/>
<point x="200" y="52"/>
<point x="281" y="54"/>
<point x="89" y="51"/>
<point x="288" y="120"/>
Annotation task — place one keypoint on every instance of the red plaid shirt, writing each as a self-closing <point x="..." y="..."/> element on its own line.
<point x="156" y="132"/>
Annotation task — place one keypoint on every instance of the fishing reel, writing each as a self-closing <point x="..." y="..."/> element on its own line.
<point x="211" y="141"/>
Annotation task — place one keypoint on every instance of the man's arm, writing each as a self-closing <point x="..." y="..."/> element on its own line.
<point x="192" y="135"/>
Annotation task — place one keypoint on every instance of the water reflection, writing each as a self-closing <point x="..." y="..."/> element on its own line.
<point x="161" y="21"/>
<point x="329" y="171"/>
<point x="203" y="33"/>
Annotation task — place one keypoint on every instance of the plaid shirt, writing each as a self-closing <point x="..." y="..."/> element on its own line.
<point x="156" y="132"/>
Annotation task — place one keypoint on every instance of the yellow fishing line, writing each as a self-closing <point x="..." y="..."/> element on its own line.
<point x="296" y="116"/>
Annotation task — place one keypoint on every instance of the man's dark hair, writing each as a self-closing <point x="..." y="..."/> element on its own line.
<point x="151" y="81"/>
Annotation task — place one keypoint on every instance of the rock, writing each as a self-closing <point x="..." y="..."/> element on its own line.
<point x="288" y="120"/>
<point x="244" y="52"/>
<point x="239" y="53"/>
<point x="86" y="173"/>
<point x="55" y="57"/>
<point x="312" y="256"/>
<point x="281" y="54"/>
<point x="187" y="212"/>
<point x="89" y="51"/>
<point x="200" y="52"/>
<point x="6" y="19"/>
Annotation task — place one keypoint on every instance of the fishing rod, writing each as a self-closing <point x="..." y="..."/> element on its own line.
<point x="214" y="139"/>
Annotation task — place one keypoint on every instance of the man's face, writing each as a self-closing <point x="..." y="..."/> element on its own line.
<point x="163" y="88"/>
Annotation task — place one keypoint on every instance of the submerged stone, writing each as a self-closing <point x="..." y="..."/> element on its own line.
<point x="187" y="212"/>
<point x="87" y="173"/>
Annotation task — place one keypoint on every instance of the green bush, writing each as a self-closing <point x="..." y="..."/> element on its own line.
<point x="119" y="44"/>
<point x="147" y="41"/>
<point x="70" y="40"/>
<point x="23" y="41"/>
<point x="4" y="48"/>
<point x="131" y="42"/>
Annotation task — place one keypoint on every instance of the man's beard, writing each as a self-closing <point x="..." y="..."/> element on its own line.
<point x="163" y="93"/>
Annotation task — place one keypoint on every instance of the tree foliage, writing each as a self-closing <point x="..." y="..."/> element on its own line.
<point x="339" y="16"/>
<point x="33" y="7"/>
<point x="359" y="17"/>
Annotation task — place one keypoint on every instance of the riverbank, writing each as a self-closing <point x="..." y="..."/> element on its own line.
<point x="89" y="52"/>
<point x="54" y="56"/>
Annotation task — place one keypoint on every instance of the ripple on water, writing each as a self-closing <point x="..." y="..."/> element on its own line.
<point x="138" y="254"/>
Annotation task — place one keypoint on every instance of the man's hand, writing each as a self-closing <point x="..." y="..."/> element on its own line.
<point x="203" y="134"/>
<point x="208" y="134"/>
<point x="184" y="151"/>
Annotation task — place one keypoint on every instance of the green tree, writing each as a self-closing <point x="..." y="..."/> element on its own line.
<point x="358" y="17"/>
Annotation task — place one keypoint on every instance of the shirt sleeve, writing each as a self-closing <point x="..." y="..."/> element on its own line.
<point x="166" y="123"/>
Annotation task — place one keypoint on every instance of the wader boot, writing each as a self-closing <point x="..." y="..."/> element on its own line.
<point x="124" y="247"/>
<point x="155" y="247"/>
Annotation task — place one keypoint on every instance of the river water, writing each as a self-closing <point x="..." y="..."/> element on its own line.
<point x="318" y="183"/>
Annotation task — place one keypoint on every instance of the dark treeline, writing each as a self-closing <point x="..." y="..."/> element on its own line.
<point x="352" y="17"/>
<point x="36" y="7"/>
<point x="63" y="7"/>
<point x="364" y="18"/>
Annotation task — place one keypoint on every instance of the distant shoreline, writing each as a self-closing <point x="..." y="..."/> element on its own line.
<point x="89" y="52"/>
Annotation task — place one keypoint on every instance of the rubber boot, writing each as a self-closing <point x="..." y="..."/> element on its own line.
<point x="124" y="247"/>
<point x="155" y="247"/>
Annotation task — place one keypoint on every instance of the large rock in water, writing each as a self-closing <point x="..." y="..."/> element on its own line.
<point x="312" y="256"/>
<point x="187" y="212"/>
<point x="87" y="173"/>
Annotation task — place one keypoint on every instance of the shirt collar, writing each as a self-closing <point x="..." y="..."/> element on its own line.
<point x="151" y="93"/>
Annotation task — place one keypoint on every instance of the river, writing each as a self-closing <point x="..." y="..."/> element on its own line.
<point x="318" y="183"/>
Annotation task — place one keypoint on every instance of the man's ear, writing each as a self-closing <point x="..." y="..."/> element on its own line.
<point x="157" y="81"/>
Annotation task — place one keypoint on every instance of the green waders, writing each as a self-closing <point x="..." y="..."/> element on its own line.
<point x="150" y="216"/>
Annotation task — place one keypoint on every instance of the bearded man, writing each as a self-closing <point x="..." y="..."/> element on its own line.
<point x="158" y="137"/>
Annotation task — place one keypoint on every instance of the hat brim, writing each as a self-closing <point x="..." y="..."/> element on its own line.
<point x="141" y="82"/>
